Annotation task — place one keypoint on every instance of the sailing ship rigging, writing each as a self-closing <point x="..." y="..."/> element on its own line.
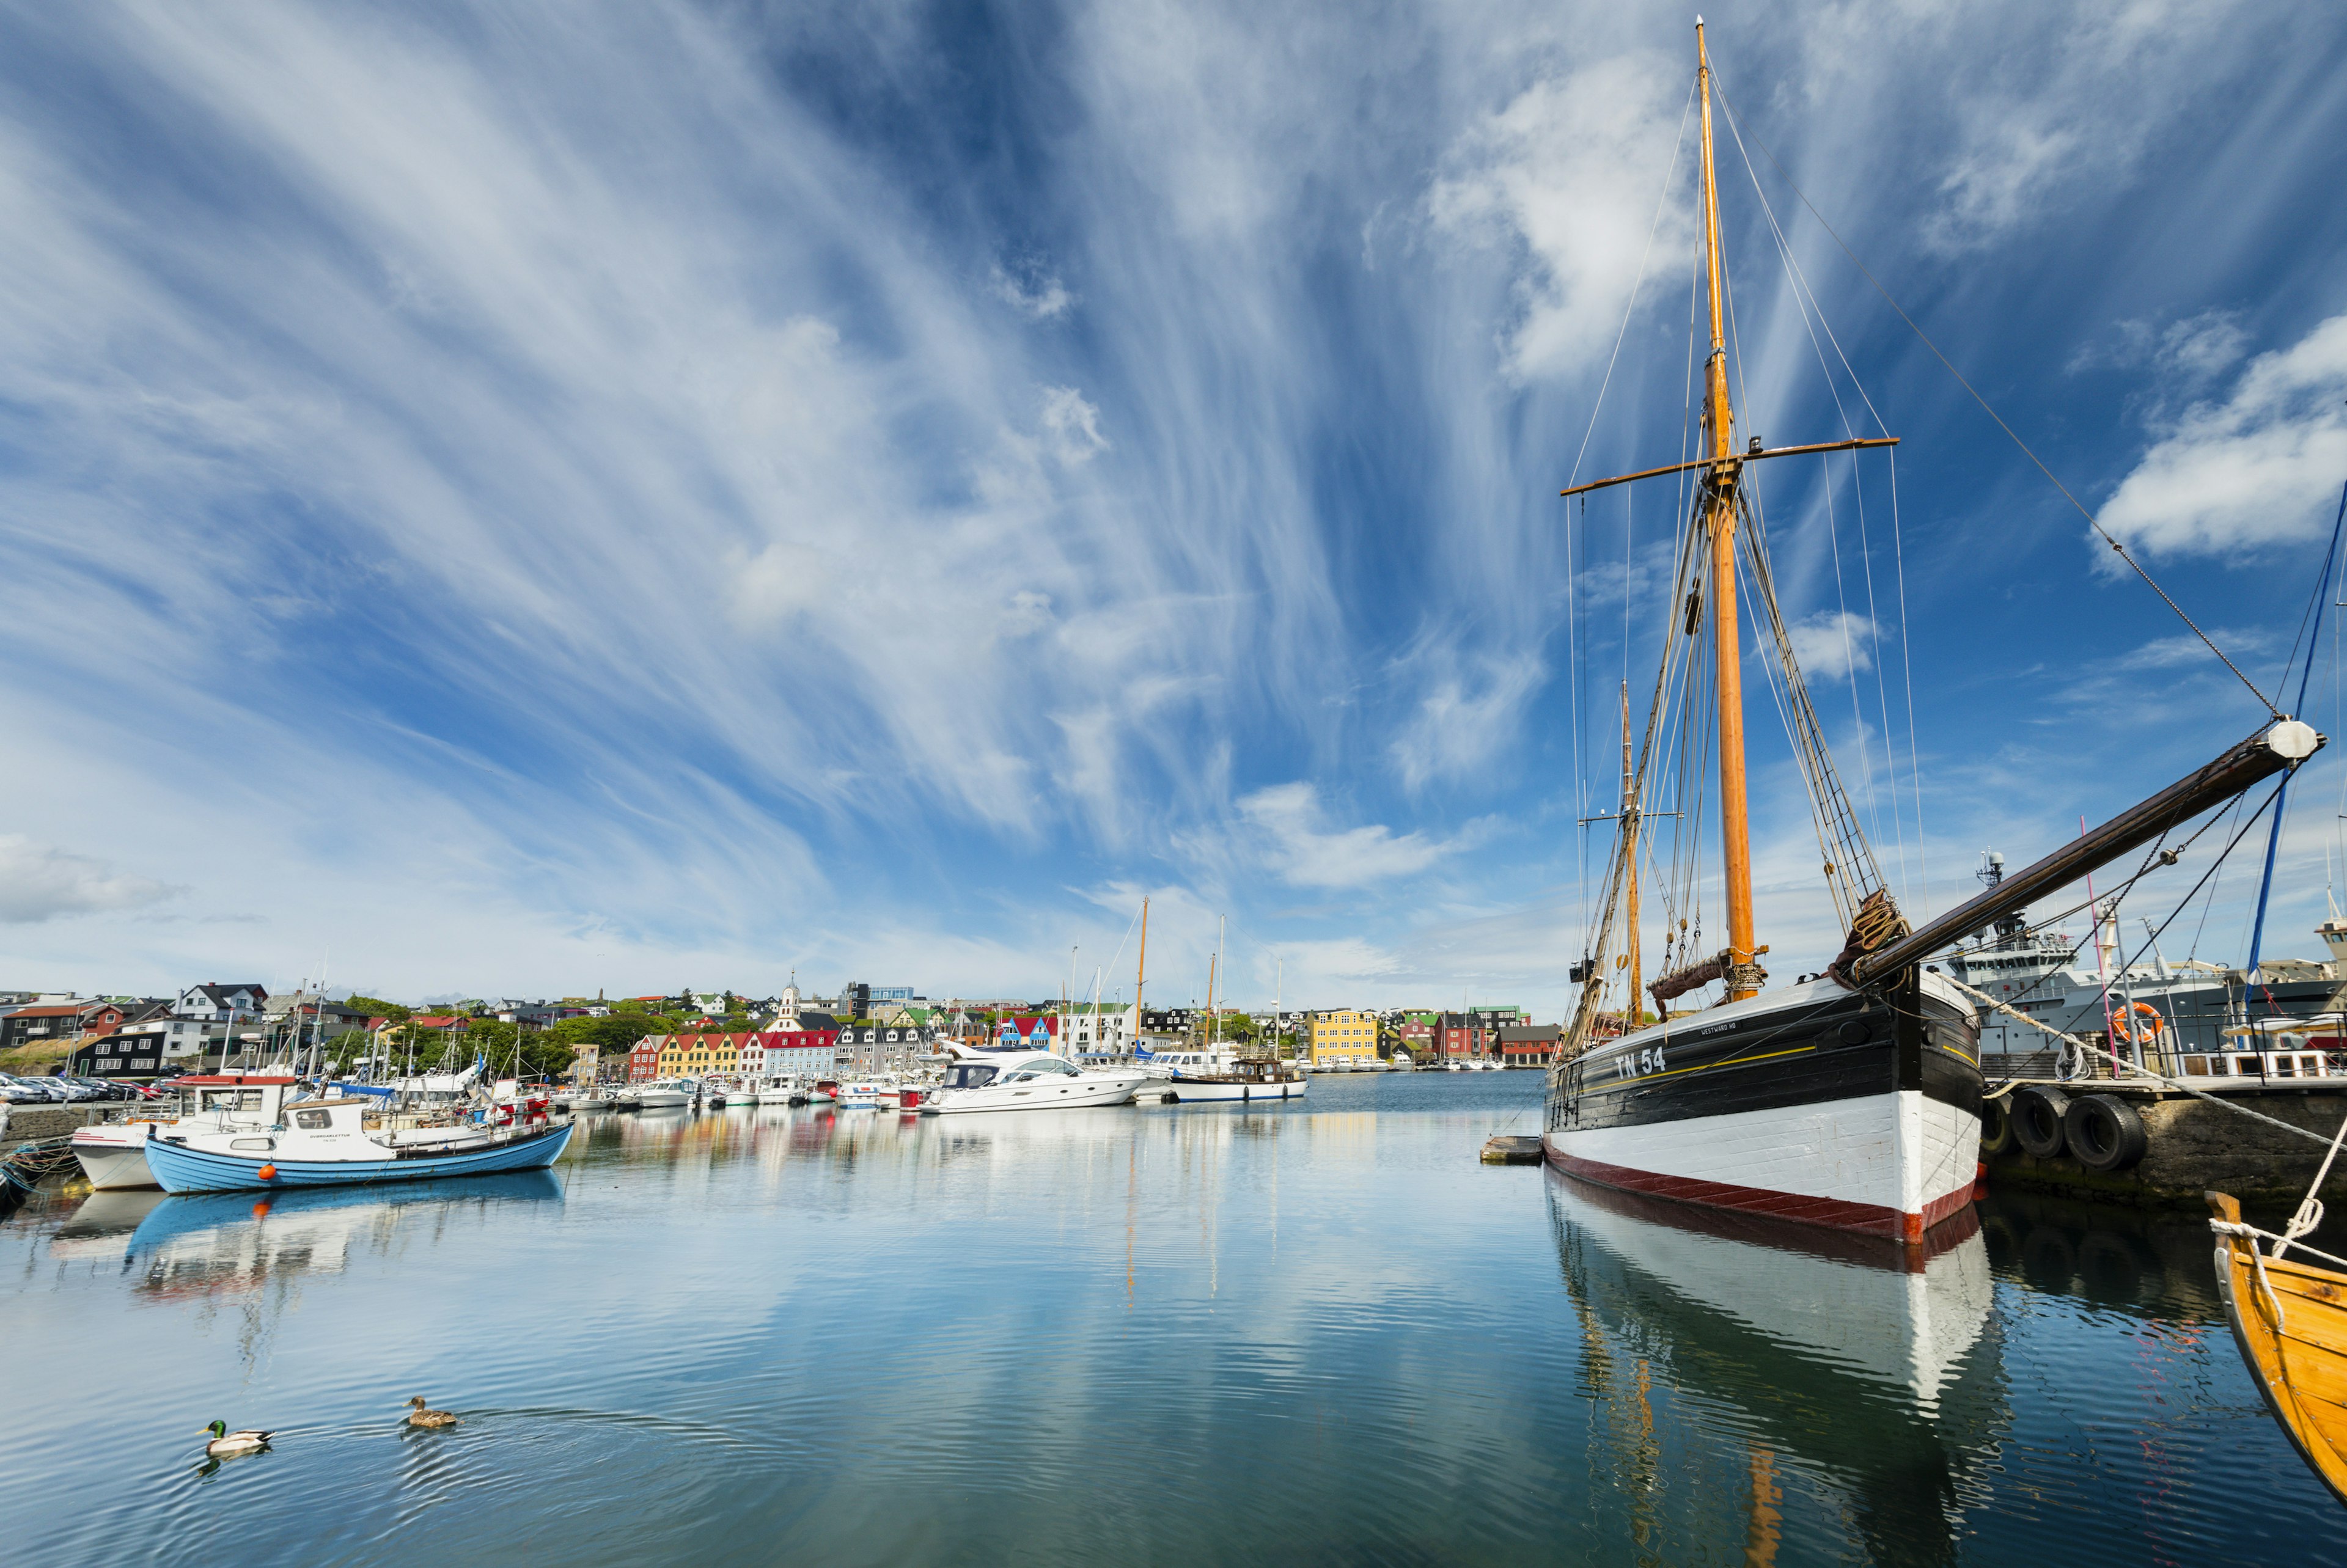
<point x="1850" y="1098"/>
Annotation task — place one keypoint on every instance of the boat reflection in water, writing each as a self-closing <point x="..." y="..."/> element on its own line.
<point x="214" y="1244"/>
<point x="1768" y="1358"/>
<point x="101" y="1227"/>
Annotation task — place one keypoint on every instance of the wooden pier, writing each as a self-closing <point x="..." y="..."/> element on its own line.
<point x="1506" y="1150"/>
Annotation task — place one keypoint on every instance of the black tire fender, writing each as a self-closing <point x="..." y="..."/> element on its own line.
<point x="2040" y="1117"/>
<point x="2104" y="1132"/>
<point x="1997" y="1128"/>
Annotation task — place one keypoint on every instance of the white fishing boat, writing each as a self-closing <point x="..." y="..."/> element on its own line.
<point x="1246" y="1081"/>
<point x="113" y="1155"/>
<point x="867" y="1094"/>
<point x="979" y="1080"/>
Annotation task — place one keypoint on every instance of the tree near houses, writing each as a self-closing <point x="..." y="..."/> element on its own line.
<point x="375" y="1006"/>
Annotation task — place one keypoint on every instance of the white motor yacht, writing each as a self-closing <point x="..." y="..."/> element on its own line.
<point x="982" y="1080"/>
<point x="668" y="1093"/>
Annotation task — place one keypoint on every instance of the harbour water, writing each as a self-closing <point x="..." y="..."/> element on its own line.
<point x="1180" y="1336"/>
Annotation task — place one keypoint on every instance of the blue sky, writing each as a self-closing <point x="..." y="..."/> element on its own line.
<point x="534" y="498"/>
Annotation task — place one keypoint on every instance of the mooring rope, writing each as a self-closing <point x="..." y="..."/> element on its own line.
<point x="2130" y="1068"/>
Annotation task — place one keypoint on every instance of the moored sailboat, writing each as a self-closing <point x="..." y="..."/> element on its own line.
<point x="1853" y="1098"/>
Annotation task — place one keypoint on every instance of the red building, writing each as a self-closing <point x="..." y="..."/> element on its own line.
<point x="644" y="1059"/>
<point x="1462" y="1034"/>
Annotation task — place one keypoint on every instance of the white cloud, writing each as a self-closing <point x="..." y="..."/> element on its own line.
<point x="1035" y="293"/>
<point x="1831" y="644"/>
<point x="2189" y="351"/>
<point x="2260" y="467"/>
<point x="41" y="882"/>
<point x="1309" y="854"/>
<point x="1074" y="425"/>
<point x="1466" y="719"/>
<point x="1570" y="170"/>
<point x="2047" y="99"/>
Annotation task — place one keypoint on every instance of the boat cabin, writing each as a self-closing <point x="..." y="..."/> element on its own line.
<point x="236" y="1097"/>
<point x="2274" y="1047"/>
<point x="974" y="1069"/>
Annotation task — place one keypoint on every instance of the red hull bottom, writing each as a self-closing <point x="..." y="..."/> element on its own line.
<point x="1865" y="1219"/>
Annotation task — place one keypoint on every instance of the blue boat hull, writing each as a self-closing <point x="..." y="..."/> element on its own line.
<point x="180" y="1169"/>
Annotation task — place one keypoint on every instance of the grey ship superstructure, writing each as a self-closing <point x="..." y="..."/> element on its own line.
<point x="2041" y="974"/>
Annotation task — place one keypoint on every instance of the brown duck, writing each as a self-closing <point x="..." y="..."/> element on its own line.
<point x="420" y="1416"/>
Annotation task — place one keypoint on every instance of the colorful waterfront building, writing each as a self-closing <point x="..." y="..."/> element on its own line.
<point x="1529" y="1045"/>
<point x="813" y="1052"/>
<point x="1462" y="1034"/>
<point x="1346" y="1036"/>
<point x="1034" y="1032"/>
<point x="700" y="1055"/>
<point x="644" y="1059"/>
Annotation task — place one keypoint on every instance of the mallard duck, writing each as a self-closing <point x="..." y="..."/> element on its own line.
<point x="226" y="1444"/>
<point x="420" y="1416"/>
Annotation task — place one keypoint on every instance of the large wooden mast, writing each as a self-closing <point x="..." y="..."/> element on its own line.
<point x="1631" y="1014"/>
<point x="1721" y="468"/>
<point x="1719" y="422"/>
<point x="1140" y="976"/>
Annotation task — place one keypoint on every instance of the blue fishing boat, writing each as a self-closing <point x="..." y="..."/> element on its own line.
<point x="326" y="1144"/>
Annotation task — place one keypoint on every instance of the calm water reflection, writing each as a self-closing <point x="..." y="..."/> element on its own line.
<point x="1177" y="1334"/>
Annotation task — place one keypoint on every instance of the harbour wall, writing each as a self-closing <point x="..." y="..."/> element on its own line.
<point x="2194" y="1146"/>
<point x="30" y="1121"/>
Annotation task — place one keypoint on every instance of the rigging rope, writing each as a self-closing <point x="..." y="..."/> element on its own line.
<point x="2091" y="521"/>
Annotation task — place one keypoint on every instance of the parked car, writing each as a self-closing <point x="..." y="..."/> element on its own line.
<point x="34" y="1091"/>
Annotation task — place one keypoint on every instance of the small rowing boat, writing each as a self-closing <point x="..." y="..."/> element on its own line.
<point x="2290" y="1319"/>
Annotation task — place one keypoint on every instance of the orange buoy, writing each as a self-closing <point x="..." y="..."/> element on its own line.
<point x="268" y="1173"/>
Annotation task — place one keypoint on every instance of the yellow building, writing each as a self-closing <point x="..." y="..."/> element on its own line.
<point x="1344" y="1037"/>
<point x="701" y="1055"/>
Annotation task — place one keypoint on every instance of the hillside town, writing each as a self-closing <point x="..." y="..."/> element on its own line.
<point x="213" y="1026"/>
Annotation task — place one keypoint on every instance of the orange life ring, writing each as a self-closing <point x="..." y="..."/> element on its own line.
<point x="2127" y="1030"/>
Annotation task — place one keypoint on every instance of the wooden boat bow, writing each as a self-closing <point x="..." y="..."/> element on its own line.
<point x="2289" y="1322"/>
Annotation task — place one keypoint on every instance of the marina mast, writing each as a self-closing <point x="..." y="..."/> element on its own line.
<point x="1637" y="1007"/>
<point x="1719" y="490"/>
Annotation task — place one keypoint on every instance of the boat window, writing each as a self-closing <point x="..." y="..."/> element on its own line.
<point x="969" y="1074"/>
<point x="313" y="1121"/>
<point x="252" y="1143"/>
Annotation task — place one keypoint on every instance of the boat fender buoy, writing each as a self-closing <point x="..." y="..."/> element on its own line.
<point x="1997" y="1128"/>
<point x="268" y="1173"/>
<point x="2104" y="1134"/>
<point x="2038" y="1115"/>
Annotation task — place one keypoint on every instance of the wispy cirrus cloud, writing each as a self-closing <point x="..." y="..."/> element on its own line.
<point x="675" y="492"/>
<point x="2256" y="468"/>
<point x="41" y="882"/>
<point x="1309" y="854"/>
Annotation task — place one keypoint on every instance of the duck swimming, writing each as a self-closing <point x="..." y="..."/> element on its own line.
<point x="226" y="1444"/>
<point x="420" y="1416"/>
